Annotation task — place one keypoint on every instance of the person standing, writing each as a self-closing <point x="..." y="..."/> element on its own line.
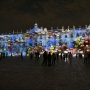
<point x="85" y="57"/>
<point x="89" y="57"/>
<point x="61" y="56"/>
<point x="53" y="58"/>
<point x="37" y="55"/>
<point x="57" y="55"/>
<point x="1" y="55"/>
<point x="21" y="56"/>
<point x="49" y="59"/>
<point x="31" y="55"/>
<point x="70" y="58"/>
<point x="44" y="58"/>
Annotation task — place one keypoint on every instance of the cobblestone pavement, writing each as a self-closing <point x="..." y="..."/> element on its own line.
<point x="26" y="74"/>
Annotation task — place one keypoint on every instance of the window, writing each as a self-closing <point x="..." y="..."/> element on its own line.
<point x="40" y="37"/>
<point x="65" y="36"/>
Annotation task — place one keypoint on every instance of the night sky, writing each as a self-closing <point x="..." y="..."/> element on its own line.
<point x="22" y="14"/>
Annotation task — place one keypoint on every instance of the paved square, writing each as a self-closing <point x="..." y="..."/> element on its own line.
<point x="26" y="74"/>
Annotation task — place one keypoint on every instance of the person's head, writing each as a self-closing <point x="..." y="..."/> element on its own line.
<point x="45" y="52"/>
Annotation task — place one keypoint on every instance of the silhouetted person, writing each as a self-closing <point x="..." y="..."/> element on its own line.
<point x="57" y="55"/>
<point x="89" y="56"/>
<point x="11" y="54"/>
<point x="85" y="57"/>
<point x="6" y="54"/>
<point x="38" y="55"/>
<point x="80" y="55"/>
<point x="21" y="56"/>
<point x="66" y="55"/>
<point x="31" y="55"/>
<point x="70" y="58"/>
<point x="76" y="55"/>
<point x="44" y="58"/>
<point x="3" y="55"/>
<point x="61" y="56"/>
<point x="49" y="59"/>
<point x="53" y="58"/>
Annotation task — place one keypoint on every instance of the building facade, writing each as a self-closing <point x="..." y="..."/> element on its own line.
<point x="16" y="43"/>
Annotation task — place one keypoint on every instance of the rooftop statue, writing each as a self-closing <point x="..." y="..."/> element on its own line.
<point x="88" y="27"/>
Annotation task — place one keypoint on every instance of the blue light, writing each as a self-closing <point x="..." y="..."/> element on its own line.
<point x="19" y="42"/>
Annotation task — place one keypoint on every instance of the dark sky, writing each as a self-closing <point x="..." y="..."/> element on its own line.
<point x="22" y="14"/>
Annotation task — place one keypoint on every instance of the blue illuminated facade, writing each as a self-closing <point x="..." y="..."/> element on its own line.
<point x="16" y="43"/>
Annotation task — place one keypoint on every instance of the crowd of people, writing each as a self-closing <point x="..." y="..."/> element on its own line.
<point x="85" y="56"/>
<point x="50" y="58"/>
<point x="2" y="55"/>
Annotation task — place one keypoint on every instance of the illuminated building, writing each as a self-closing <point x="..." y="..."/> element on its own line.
<point x="41" y="38"/>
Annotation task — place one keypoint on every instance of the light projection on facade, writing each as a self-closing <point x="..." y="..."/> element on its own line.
<point x="43" y="39"/>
